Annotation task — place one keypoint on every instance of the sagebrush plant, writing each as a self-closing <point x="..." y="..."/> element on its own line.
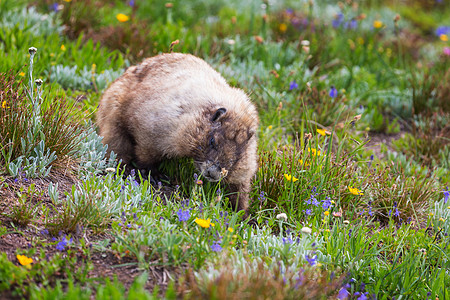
<point x="36" y="131"/>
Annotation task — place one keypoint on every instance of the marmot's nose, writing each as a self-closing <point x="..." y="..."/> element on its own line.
<point x="213" y="172"/>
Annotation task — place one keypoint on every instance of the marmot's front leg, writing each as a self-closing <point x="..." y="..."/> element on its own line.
<point x="239" y="197"/>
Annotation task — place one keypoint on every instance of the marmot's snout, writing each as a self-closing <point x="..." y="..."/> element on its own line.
<point x="212" y="172"/>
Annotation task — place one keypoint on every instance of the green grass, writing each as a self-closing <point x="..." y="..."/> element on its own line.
<point x="64" y="203"/>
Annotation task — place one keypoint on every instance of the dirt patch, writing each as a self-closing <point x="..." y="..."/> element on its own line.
<point x="376" y="139"/>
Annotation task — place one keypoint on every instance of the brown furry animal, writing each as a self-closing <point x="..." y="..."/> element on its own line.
<point x="175" y="105"/>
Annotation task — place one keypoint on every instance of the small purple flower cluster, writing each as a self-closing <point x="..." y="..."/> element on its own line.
<point x="396" y="213"/>
<point x="446" y="195"/>
<point x="343" y="292"/>
<point x="261" y="198"/>
<point x="61" y="246"/>
<point x="124" y="223"/>
<point x="216" y="246"/>
<point x="288" y="240"/>
<point x="442" y="30"/>
<point x="183" y="215"/>
<point x="312" y="260"/>
<point x="225" y="219"/>
<point x="326" y="204"/>
<point x="298" y="22"/>
<point x="333" y="92"/>
<point x="339" y="21"/>
<point x="293" y="85"/>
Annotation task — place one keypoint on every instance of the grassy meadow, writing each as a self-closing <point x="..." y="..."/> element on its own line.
<point x="351" y="198"/>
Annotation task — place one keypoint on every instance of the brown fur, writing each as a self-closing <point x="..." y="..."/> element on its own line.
<point x="176" y="105"/>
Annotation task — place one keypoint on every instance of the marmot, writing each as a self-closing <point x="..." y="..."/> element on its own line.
<point x="176" y="105"/>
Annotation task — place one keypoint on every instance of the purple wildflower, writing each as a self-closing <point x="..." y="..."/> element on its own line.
<point x="54" y="7"/>
<point x="289" y="11"/>
<point x="446" y="195"/>
<point x="326" y="203"/>
<point x="183" y="216"/>
<point x="314" y="201"/>
<point x="261" y="198"/>
<point x="63" y="243"/>
<point x="131" y="3"/>
<point x="60" y="246"/>
<point x="343" y="293"/>
<point x="333" y="92"/>
<point x="337" y="20"/>
<point x="443" y="30"/>
<point x="311" y="260"/>
<point x="397" y="213"/>
<point x="362" y="296"/>
<point x="293" y="85"/>
<point x="216" y="247"/>
<point x="287" y="240"/>
<point x="353" y="24"/>
<point x="308" y="212"/>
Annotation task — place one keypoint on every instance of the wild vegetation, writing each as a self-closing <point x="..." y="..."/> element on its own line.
<point x="351" y="198"/>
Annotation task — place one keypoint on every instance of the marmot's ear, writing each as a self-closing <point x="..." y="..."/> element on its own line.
<point x="218" y="114"/>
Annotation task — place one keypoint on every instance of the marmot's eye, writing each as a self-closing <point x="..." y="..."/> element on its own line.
<point x="212" y="143"/>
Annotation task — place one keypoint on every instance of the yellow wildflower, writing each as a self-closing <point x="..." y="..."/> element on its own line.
<point x="290" y="178"/>
<point x="204" y="223"/>
<point x="283" y="27"/>
<point x="321" y="131"/>
<point x="443" y="37"/>
<point x="67" y="0"/>
<point x="4" y="104"/>
<point x="22" y="74"/>
<point x="269" y="127"/>
<point x="122" y="17"/>
<point x="441" y="219"/>
<point x="431" y="214"/>
<point x="377" y="24"/>
<point x="301" y="162"/>
<point x="314" y="151"/>
<point x="230" y="229"/>
<point x="63" y="48"/>
<point x="355" y="191"/>
<point x="24" y="261"/>
<point x="326" y="213"/>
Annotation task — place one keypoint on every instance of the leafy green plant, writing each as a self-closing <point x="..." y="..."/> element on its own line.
<point x="23" y="213"/>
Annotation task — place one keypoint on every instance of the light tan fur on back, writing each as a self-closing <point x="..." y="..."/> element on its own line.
<point x="176" y="105"/>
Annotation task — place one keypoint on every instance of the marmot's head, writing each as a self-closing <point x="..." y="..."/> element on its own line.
<point x="225" y="145"/>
